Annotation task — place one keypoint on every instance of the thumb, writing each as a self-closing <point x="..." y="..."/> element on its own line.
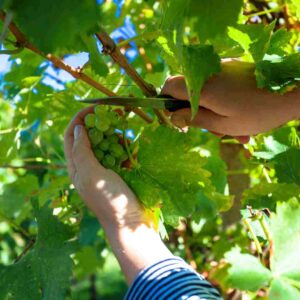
<point x="82" y="152"/>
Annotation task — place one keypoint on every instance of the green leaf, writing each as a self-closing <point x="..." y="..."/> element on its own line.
<point x="47" y="267"/>
<point x="282" y="289"/>
<point x="246" y="271"/>
<point x="199" y="64"/>
<point x="88" y="261"/>
<point x="285" y="231"/>
<point x="96" y="60"/>
<point x="255" y="39"/>
<point x="260" y="47"/>
<point x="174" y="13"/>
<point x="52" y="25"/>
<point x="264" y="194"/>
<point x="287" y="166"/>
<point x="171" y="175"/>
<point x="16" y="195"/>
<point x="278" y="73"/>
<point x="213" y="17"/>
<point x="272" y="148"/>
<point x="279" y="41"/>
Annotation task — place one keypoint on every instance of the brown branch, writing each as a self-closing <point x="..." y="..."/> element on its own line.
<point x="34" y="167"/>
<point x="110" y="48"/>
<point x="28" y="247"/>
<point x="57" y="62"/>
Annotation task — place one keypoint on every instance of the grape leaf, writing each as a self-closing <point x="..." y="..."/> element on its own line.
<point x="278" y="73"/>
<point x="52" y="25"/>
<point x="287" y="166"/>
<point x="260" y="47"/>
<point x="199" y="63"/>
<point x="88" y="261"/>
<point x="272" y="148"/>
<point x="171" y="175"/>
<point x="96" y="61"/>
<point x="281" y="289"/>
<point x="285" y="261"/>
<point x="172" y="25"/>
<point x="267" y="195"/>
<point x="254" y="39"/>
<point x="13" y="199"/>
<point x="214" y="16"/>
<point x="47" y="267"/>
<point x="279" y="41"/>
<point x="246" y="271"/>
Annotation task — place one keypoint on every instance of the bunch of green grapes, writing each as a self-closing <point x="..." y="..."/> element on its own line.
<point x="106" y="143"/>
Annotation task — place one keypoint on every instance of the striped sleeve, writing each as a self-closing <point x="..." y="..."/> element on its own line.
<point x="171" y="279"/>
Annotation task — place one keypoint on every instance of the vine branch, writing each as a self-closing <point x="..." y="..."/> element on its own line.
<point x="57" y="62"/>
<point x="28" y="247"/>
<point x="110" y="48"/>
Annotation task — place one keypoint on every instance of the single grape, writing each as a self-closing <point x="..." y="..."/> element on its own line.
<point x="102" y="124"/>
<point x="90" y="120"/>
<point x="100" y="110"/>
<point x="114" y="118"/>
<point x="104" y="145"/>
<point x="113" y="139"/>
<point x="95" y="136"/>
<point x="116" y="150"/>
<point x="99" y="154"/>
<point x="108" y="161"/>
<point x="124" y="157"/>
<point x="110" y="131"/>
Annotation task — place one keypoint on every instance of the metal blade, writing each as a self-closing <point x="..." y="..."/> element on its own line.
<point x="159" y="103"/>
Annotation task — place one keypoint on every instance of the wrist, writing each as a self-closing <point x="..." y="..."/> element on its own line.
<point x="136" y="247"/>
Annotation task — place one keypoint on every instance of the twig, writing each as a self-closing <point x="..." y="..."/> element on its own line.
<point x="34" y="167"/>
<point x="76" y="73"/>
<point x="28" y="247"/>
<point x="188" y="252"/>
<point x="110" y="48"/>
<point x="11" y="52"/>
<point x="253" y="235"/>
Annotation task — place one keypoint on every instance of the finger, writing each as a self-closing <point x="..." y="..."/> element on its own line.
<point x="175" y="86"/>
<point x="205" y="118"/>
<point x="82" y="154"/>
<point x="69" y="137"/>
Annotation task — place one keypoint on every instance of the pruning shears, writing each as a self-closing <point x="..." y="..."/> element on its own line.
<point x="159" y="102"/>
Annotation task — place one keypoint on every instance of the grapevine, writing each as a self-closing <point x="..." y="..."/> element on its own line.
<point x="232" y="211"/>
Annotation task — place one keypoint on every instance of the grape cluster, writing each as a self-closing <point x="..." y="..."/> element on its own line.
<point x="106" y="143"/>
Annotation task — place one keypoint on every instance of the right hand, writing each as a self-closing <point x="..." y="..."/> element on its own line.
<point x="231" y="104"/>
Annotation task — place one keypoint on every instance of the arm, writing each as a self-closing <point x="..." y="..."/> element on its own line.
<point x="149" y="267"/>
<point x="231" y="103"/>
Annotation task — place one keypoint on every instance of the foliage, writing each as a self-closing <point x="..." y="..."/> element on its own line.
<point x="50" y="246"/>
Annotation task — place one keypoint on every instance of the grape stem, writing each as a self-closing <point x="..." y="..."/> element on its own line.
<point x="77" y="73"/>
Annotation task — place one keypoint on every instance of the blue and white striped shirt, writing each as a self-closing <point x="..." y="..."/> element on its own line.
<point x="171" y="279"/>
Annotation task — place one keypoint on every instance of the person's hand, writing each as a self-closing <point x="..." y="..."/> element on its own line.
<point x="130" y="232"/>
<point x="231" y="104"/>
<point x="103" y="191"/>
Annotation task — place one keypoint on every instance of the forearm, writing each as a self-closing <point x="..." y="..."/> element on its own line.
<point x="136" y="248"/>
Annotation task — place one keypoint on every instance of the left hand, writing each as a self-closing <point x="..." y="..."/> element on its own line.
<point x="103" y="191"/>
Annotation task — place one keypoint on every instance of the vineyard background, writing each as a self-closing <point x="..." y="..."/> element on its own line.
<point x="243" y="235"/>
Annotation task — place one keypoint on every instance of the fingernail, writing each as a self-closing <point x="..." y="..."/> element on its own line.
<point x="77" y="131"/>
